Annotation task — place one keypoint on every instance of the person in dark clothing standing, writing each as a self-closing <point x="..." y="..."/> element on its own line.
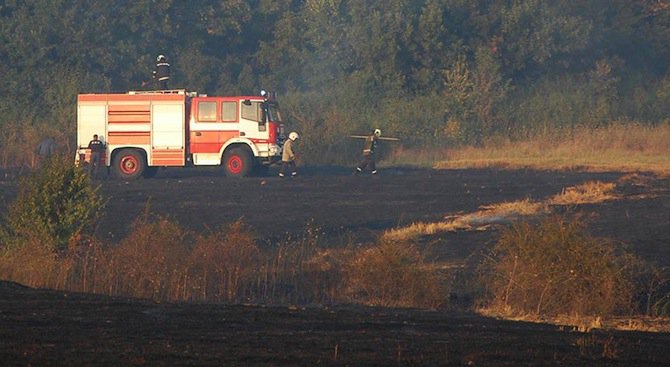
<point x="369" y="148"/>
<point x="161" y="72"/>
<point x="97" y="148"/>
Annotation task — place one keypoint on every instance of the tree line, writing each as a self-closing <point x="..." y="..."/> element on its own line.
<point x="434" y="72"/>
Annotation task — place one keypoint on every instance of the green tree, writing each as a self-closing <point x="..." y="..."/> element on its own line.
<point x="370" y="61"/>
<point x="490" y="91"/>
<point x="55" y="205"/>
<point x="534" y="37"/>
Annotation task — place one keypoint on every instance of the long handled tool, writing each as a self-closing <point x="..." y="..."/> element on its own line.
<point x="380" y="138"/>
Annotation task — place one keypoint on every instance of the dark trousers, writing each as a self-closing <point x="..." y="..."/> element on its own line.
<point x="368" y="161"/>
<point x="162" y="84"/>
<point x="286" y="165"/>
<point x="94" y="165"/>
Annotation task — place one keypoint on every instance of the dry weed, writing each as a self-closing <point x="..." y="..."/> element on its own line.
<point x="500" y="213"/>
<point x="394" y="274"/>
<point x="587" y="193"/>
<point x="555" y="268"/>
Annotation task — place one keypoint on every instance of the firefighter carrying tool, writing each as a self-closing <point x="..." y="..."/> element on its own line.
<point x="369" y="148"/>
<point x="145" y="130"/>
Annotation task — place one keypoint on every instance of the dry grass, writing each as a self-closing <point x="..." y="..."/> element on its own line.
<point x="19" y="141"/>
<point x="587" y="324"/>
<point x="640" y="323"/>
<point x="587" y="193"/>
<point x="394" y="274"/>
<point x="160" y="260"/>
<point x="505" y="212"/>
<point x="554" y="268"/>
<point x="500" y="213"/>
<point x="620" y="147"/>
<point x="510" y="212"/>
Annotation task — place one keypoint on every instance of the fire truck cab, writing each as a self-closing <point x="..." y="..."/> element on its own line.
<point x="145" y="130"/>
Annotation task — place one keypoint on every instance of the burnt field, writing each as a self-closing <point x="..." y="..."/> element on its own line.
<point x="353" y="209"/>
<point x="41" y="327"/>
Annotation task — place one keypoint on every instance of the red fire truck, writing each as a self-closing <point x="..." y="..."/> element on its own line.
<point x="145" y="130"/>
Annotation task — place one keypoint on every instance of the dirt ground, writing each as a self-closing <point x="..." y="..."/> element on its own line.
<point x="46" y="328"/>
<point x="41" y="327"/>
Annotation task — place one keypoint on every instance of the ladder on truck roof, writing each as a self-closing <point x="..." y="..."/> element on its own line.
<point x="167" y="91"/>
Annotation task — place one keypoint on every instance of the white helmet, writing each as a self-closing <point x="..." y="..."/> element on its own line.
<point x="160" y="58"/>
<point x="378" y="133"/>
<point x="293" y="135"/>
<point x="263" y="93"/>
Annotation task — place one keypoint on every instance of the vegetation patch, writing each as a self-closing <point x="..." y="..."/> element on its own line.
<point x="395" y="274"/>
<point x="502" y="213"/>
<point x="620" y="147"/>
<point x="542" y="267"/>
<point x="56" y="205"/>
<point x="587" y="193"/>
<point x="505" y="213"/>
<point x="555" y="268"/>
<point x="160" y="260"/>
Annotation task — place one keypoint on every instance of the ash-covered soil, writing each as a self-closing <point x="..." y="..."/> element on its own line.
<point x="47" y="328"/>
<point x="41" y="327"/>
<point x="352" y="209"/>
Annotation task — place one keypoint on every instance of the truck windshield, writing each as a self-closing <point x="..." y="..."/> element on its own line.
<point x="273" y="112"/>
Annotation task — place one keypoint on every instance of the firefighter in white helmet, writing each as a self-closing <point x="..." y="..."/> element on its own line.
<point x="161" y="72"/>
<point x="288" y="156"/>
<point x="369" y="148"/>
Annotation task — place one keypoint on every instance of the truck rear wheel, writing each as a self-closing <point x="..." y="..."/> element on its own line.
<point x="237" y="162"/>
<point x="129" y="164"/>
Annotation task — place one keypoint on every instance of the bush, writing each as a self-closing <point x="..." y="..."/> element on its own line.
<point x="394" y="274"/>
<point x="223" y="265"/>
<point x="55" y="206"/>
<point x="151" y="262"/>
<point x="160" y="260"/>
<point x="555" y="268"/>
<point x="652" y="284"/>
<point x="298" y="270"/>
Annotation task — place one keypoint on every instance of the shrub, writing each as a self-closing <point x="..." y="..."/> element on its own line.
<point x="222" y="265"/>
<point x="653" y="288"/>
<point x="394" y="274"/>
<point x="298" y="270"/>
<point x="55" y="205"/>
<point x="150" y="262"/>
<point x="555" y="268"/>
<point x="160" y="260"/>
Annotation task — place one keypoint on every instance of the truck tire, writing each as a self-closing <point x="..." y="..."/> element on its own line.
<point x="237" y="162"/>
<point x="129" y="164"/>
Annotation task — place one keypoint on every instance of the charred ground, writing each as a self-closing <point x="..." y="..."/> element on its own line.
<point x="40" y="327"/>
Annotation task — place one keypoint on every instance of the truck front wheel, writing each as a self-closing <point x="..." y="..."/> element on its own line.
<point x="237" y="162"/>
<point x="129" y="164"/>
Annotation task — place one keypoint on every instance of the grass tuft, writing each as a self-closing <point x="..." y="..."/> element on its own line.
<point x="587" y="193"/>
